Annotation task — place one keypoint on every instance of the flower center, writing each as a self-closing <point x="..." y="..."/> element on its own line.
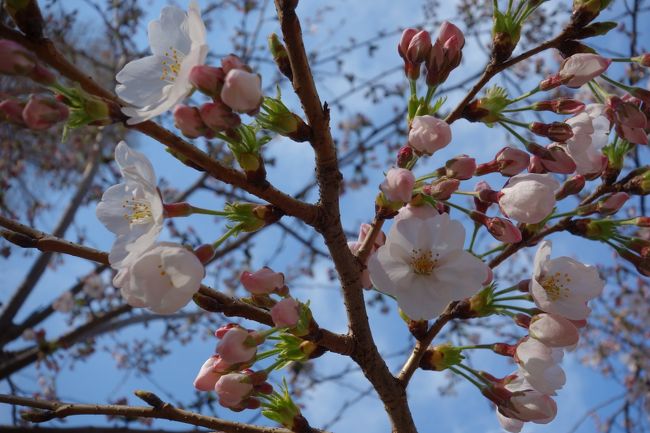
<point x="137" y="211"/>
<point x="423" y="262"/>
<point x="555" y="285"/>
<point x="171" y="66"/>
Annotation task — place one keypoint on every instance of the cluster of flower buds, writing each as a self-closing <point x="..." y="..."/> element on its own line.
<point x="439" y="57"/>
<point x="233" y="87"/>
<point x="17" y="60"/>
<point x="38" y="113"/>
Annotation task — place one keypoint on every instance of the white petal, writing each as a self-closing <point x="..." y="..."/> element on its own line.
<point x="461" y="271"/>
<point x="195" y="23"/>
<point x="510" y="424"/>
<point x="140" y="81"/>
<point x="169" y="31"/>
<point x="419" y="301"/>
<point x="542" y="257"/>
<point x="110" y="211"/>
<point x="134" y="164"/>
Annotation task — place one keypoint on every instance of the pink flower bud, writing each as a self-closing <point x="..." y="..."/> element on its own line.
<point x="429" y="134"/>
<point x="511" y="161"/>
<point x="556" y="131"/>
<point x="503" y="230"/>
<point x="629" y="119"/>
<point x="404" y="156"/>
<point x="560" y="106"/>
<point x="482" y="205"/>
<point x="461" y="167"/>
<point x="208" y="79"/>
<point x="218" y="116"/>
<point x="12" y="110"/>
<point x="42" y="75"/>
<point x="528" y="198"/>
<point x="237" y="346"/>
<point x="579" y="69"/>
<point x="553" y="330"/>
<point x="572" y="186"/>
<point x="419" y="48"/>
<point x="613" y="203"/>
<point x="445" y="54"/>
<point x="242" y="91"/>
<point x="398" y="185"/>
<point x="442" y="189"/>
<point x="405" y="40"/>
<point x="286" y="313"/>
<point x="205" y="253"/>
<point x="231" y="62"/>
<point x="210" y="372"/>
<point x="15" y="59"/>
<point x="452" y="39"/>
<point x="233" y="389"/>
<point x="557" y="161"/>
<point x="550" y="83"/>
<point x="188" y="120"/>
<point x="262" y="282"/>
<point x="42" y="113"/>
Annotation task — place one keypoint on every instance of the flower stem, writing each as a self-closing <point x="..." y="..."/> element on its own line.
<point x="474" y="372"/>
<point x="463" y="374"/>
<point x="512" y="307"/>
<point x="514" y="298"/>
<point x="504" y="291"/>
<point x="231" y="231"/>
<point x="476" y="346"/>
<point x="460" y="208"/>
<point x="524" y="96"/>
<point x="474" y="233"/>
<point x="199" y="210"/>
<point x="492" y="251"/>
<point x="513" y="132"/>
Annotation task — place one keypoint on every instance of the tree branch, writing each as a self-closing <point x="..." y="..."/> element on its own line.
<point x="52" y="410"/>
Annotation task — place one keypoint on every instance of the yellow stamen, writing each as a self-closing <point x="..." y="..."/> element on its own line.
<point x="555" y="286"/>
<point x="137" y="211"/>
<point x="171" y="66"/>
<point x="423" y="262"/>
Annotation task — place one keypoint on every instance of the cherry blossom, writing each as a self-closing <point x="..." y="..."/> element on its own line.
<point x="590" y="135"/>
<point x="563" y="285"/>
<point x="233" y="389"/>
<point x="242" y="91"/>
<point x="553" y="330"/>
<point x="262" y="282"/>
<point x="398" y="185"/>
<point x="211" y="370"/>
<point x="286" y="313"/>
<point x="154" y="84"/>
<point x="528" y="198"/>
<point x="525" y="404"/>
<point x="423" y="265"/>
<point x="539" y="365"/>
<point x="133" y="209"/>
<point x="163" y="278"/>
<point x="580" y="68"/>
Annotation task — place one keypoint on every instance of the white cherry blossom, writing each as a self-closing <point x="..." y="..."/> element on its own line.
<point x="133" y="209"/>
<point x="563" y="285"/>
<point x="539" y="365"/>
<point x="164" y="278"/>
<point x="423" y="265"/>
<point x="525" y="404"/>
<point x="154" y="84"/>
<point x="590" y="135"/>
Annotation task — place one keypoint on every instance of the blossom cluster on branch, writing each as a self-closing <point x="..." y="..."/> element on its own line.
<point x="423" y="261"/>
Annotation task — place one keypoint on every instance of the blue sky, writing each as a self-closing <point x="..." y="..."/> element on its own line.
<point x="467" y="411"/>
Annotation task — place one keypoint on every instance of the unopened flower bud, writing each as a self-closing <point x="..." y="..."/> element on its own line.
<point x="218" y="116"/>
<point x="445" y="54"/>
<point x="208" y="79"/>
<point x="461" y="167"/>
<point x="262" y="282"/>
<point x="508" y="161"/>
<point x="556" y="131"/>
<point x="558" y="160"/>
<point x="429" y="134"/>
<point x="188" y="120"/>
<point x="12" y="111"/>
<point x="572" y="186"/>
<point x="174" y="210"/>
<point x="503" y="230"/>
<point x="42" y="75"/>
<point x="231" y="61"/>
<point x="398" y="185"/>
<point x="441" y="189"/>
<point x="579" y="69"/>
<point x="15" y="59"/>
<point x="419" y="47"/>
<point x="404" y="156"/>
<point x="205" y="253"/>
<point x="610" y="205"/>
<point x="286" y="313"/>
<point x="482" y="205"/>
<point x="242" y="91"/>
<point x="42" y="112"/>
<point x="560" y="106"/>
